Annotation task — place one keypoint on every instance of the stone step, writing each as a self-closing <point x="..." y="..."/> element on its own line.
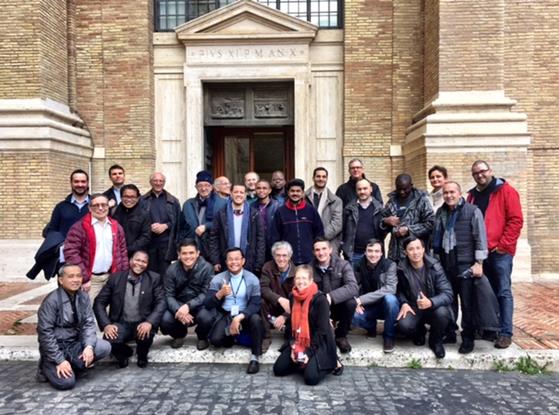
<point x="366" y="352"/>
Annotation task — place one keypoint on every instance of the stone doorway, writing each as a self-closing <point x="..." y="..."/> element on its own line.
<point x="235" y="151"/>
<point x="249" y="127"/>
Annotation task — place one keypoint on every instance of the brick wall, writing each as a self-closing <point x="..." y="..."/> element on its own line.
<point x="26" y="210"/>
<point x="383" y="82"/>
<point x="431" y="50"/>
<point x="114" y="83"/>
<point x="531" y="68"/>
<point x="19" y="60"/>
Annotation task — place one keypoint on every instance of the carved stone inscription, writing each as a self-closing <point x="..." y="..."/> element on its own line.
<point x="227" y="105"/>
<point x="242" y="54"/>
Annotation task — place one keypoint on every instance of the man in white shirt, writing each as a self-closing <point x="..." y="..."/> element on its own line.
<point x="96" y="244"/>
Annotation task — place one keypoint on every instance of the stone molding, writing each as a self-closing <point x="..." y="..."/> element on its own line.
<point x="42" y="124"/>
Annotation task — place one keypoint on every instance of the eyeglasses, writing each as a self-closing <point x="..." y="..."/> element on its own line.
<point x="355" y="167"/>
<point x="100" y="205"/>
<point x="477" y="173"/>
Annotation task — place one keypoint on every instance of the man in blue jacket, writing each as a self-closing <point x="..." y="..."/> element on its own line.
<point x="297" y="222"/>
<point x="200" y="211"/>
<point x="231" y="306"/>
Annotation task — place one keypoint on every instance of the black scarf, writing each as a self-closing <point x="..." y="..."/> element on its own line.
<point x="370" y="275"/>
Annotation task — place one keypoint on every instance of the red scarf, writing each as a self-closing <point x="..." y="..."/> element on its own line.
<point x="300" y="317"/>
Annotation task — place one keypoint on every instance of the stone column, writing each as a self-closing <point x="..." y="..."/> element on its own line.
<point x="467" y="114"/>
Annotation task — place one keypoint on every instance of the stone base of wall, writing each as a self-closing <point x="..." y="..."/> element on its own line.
<point x="41" y="143"/>
<point x="458" y="128"/>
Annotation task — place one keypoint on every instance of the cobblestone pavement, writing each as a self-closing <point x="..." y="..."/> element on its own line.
<point x="226" y="389"/>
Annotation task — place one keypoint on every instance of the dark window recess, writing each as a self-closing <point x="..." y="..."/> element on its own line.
<point x="323" y="13"/>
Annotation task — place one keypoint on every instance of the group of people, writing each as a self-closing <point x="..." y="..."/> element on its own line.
<point x="238" y="262"/>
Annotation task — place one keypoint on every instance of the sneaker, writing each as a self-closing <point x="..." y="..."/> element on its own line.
<point x="467" y="346"/>
<point x="177" y="343"/>
<point x="503" y="342"/>
<point x="388" y="345"/>
<point x="202" y="344"/>
<point x="343" y="344"/>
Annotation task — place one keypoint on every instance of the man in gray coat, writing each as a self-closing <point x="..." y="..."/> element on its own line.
<point x="66" y="329"/>
<point x="376" y="276"/>
<point x="328" y="205"/>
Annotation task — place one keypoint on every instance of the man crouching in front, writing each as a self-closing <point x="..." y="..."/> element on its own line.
<point x="66" y="329"/>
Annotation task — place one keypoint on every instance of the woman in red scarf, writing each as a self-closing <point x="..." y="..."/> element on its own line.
<point x="310" y="346"/>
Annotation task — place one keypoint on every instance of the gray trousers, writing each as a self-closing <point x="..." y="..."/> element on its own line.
<point x="72" y="351"/>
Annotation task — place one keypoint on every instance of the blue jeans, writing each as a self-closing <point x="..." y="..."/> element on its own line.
<point x="386" y="310"/>
<point x="498" y="269"/>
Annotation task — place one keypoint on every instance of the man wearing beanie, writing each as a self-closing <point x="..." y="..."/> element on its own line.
<point x="297" y="222"/>
<point x="200" y="211"/>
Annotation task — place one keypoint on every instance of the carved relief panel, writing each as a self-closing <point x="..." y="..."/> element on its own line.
<point x="253" y="104"/>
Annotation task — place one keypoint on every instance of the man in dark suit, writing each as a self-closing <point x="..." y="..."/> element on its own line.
<point x="136" y="304"/>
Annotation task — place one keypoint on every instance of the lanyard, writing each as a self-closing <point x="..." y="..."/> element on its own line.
<point x="235" y="292"/>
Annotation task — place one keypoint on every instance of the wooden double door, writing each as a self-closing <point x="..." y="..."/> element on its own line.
<point x="235" y="151"/>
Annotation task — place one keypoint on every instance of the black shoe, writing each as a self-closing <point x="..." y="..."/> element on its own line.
<point x="343" y="344"/>
<point x="449" y="338"/>
<point x="122" y="362"/>
<point x="338" y="370"/>
<point x="142" y="363"/>
<point x="253" y="367"/>
<point x="438" y="349"/>
<point x="388" y="345"/>
<point x="177" y="343"/>
<point x="419" y="340"/>
<point x="467" y="346"/>
<point x="202" y="344"/>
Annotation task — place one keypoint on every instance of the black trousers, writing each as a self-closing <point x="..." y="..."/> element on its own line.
<point x="466" y="291"/>
<point x="157" y="261"/>
<point x="128" y="332"/>
<point x="170" y="326"/>
<point x="438" y="319"/>
<point x="72" y="351"/>
<point x="312" y="374"/>
<point x="211" y="325"/>
<point x="342" y="313"/>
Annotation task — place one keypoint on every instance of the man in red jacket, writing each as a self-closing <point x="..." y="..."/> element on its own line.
<point x="97" y="244"/>
<point x="500" y="204"/>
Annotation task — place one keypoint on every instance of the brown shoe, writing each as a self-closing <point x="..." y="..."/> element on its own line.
<point x="503" y="342"/>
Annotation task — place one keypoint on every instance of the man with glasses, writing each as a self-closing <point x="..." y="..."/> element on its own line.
<point x="134" y="220"/>
<point x="97" y="245"/>
<point x="347" y="191"/>
<point x="500" y="204"/>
